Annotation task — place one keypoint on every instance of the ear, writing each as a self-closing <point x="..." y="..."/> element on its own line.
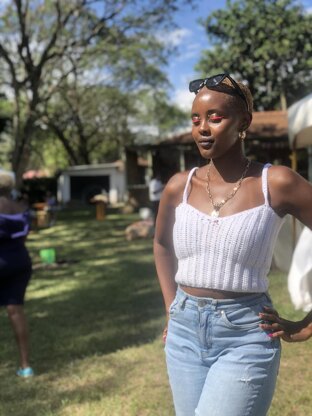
<point x="246" y="121"/>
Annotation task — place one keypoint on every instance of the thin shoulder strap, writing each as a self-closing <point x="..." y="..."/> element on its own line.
<point x="185" y="193"/>
<point x="265" y="183"/>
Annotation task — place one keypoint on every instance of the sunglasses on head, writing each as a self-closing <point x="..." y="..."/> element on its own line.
<point x="214" y="81"/>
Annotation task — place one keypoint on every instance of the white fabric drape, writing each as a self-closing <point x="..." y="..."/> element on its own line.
<point x="300" y="123"/>
<point x="284" y="246"/>
<point x="300" y="273"/>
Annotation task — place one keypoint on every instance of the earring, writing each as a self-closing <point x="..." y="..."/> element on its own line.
<point x="242" y="135"/>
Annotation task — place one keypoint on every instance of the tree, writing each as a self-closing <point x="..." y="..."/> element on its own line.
<point x="267" y="43"/>
<point x="91" y="122"/>
<point x="42" y="40"/>
<point x="155" y="117"/>
<point x="94" y="121"/>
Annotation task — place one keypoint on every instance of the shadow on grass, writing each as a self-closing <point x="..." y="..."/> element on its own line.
<point x="122" y="306"/>
<point x="107" y="299"/>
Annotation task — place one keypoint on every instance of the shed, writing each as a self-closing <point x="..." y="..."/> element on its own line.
<point x="81" y="183"/>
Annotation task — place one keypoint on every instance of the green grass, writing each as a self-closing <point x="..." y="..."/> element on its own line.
<point x="96" y="323"/>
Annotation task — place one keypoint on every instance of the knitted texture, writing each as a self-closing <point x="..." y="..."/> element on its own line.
<point x="232" y="253"/>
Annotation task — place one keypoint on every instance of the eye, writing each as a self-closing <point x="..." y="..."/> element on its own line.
<point x="216" y="119"/>
<point x="195" y="119"/>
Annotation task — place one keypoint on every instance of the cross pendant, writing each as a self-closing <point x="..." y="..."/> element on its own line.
<point x="215" y="213"/>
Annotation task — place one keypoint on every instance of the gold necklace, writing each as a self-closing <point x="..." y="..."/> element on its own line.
<point x="218" y="205"/>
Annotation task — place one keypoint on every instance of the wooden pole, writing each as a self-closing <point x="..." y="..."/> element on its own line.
<point x="294" y="160"/>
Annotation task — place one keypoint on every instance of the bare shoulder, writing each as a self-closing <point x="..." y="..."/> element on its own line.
<point x="174" y="189"/>
<point x="283" y="179"/>
<point x="177" y="181"/>
<point x="290" y="193"/>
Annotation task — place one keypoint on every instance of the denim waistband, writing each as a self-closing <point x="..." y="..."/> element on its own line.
<point x="199" y="301"/>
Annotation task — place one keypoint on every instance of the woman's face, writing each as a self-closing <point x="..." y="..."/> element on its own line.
<point x="216" y="122"/>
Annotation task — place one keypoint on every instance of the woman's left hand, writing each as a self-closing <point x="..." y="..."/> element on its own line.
<point x="165" y="331"/>
<point x="164" y="334"/>
<point x="290" y="331"/>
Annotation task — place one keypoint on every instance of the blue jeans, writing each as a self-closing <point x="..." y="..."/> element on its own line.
<point x="219" y="361"/>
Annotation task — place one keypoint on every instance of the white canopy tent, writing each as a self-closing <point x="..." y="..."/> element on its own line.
<point x="300" y="273"/>
<point x="300" y="129"/>
<point x="300" y="123"/>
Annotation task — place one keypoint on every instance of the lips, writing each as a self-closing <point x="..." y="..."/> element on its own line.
<point x="206" y="143"/>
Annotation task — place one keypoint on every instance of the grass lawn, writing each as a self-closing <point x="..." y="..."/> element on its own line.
<point x="96" y="321"/>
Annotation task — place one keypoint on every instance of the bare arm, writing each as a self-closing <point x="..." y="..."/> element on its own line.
<point x="165" y="259"/>
<point x="291" y="194"/>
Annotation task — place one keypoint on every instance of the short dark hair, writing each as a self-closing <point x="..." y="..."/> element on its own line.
<point x="227" y="87"/>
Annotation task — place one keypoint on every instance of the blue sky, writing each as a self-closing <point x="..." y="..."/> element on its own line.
<point x="191" y="39"/>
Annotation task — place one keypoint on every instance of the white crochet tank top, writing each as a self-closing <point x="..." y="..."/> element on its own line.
<point x="232" y="253"/>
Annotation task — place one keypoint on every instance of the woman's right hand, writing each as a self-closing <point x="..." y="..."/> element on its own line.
<point x="289" y="331"/>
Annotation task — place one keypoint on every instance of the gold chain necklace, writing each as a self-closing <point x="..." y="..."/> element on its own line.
<point x="218" y="205"/>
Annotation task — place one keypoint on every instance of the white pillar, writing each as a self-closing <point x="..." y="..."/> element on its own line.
<point x="63" y="188"/>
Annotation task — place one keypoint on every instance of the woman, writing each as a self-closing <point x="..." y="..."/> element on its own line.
<point x="15" y="266"/>
<point x="213" y="247"/>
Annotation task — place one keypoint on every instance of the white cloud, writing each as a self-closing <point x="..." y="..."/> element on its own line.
<point x="175" y="37"/>
<point x="183" y="99"/>
<point x="188" y="51"/>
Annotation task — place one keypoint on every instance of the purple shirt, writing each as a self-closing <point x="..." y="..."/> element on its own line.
<point x="14" y="226"/>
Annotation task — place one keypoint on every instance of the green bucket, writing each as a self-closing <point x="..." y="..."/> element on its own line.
<point x="47" y="255"/>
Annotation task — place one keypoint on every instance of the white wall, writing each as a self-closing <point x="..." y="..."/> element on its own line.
<point x="116" y="180"/>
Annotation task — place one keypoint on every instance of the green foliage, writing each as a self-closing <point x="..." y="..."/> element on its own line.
<point x="266" y="42"/>
<point x="94" y="122"/>
<point x="91" y="122"/>
<point x="153" y="110"/>
<point x="47" y="152"/>
<point x="133" y="61"/>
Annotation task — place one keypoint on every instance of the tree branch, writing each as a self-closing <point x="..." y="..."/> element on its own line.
<point x="24" y="44"/>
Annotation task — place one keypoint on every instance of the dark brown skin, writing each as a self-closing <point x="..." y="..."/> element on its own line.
<point x="288" y="330"/>
<point x="217" y="121"/>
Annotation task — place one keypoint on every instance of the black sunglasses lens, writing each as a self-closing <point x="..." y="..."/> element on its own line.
<point x="214" y="81"/>
<point x="196" y="85"/>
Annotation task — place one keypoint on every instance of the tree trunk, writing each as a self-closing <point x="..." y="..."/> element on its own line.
<point x="21" y="152"/>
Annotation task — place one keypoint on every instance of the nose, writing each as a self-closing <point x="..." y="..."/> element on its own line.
<point x="204" y="128"/>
